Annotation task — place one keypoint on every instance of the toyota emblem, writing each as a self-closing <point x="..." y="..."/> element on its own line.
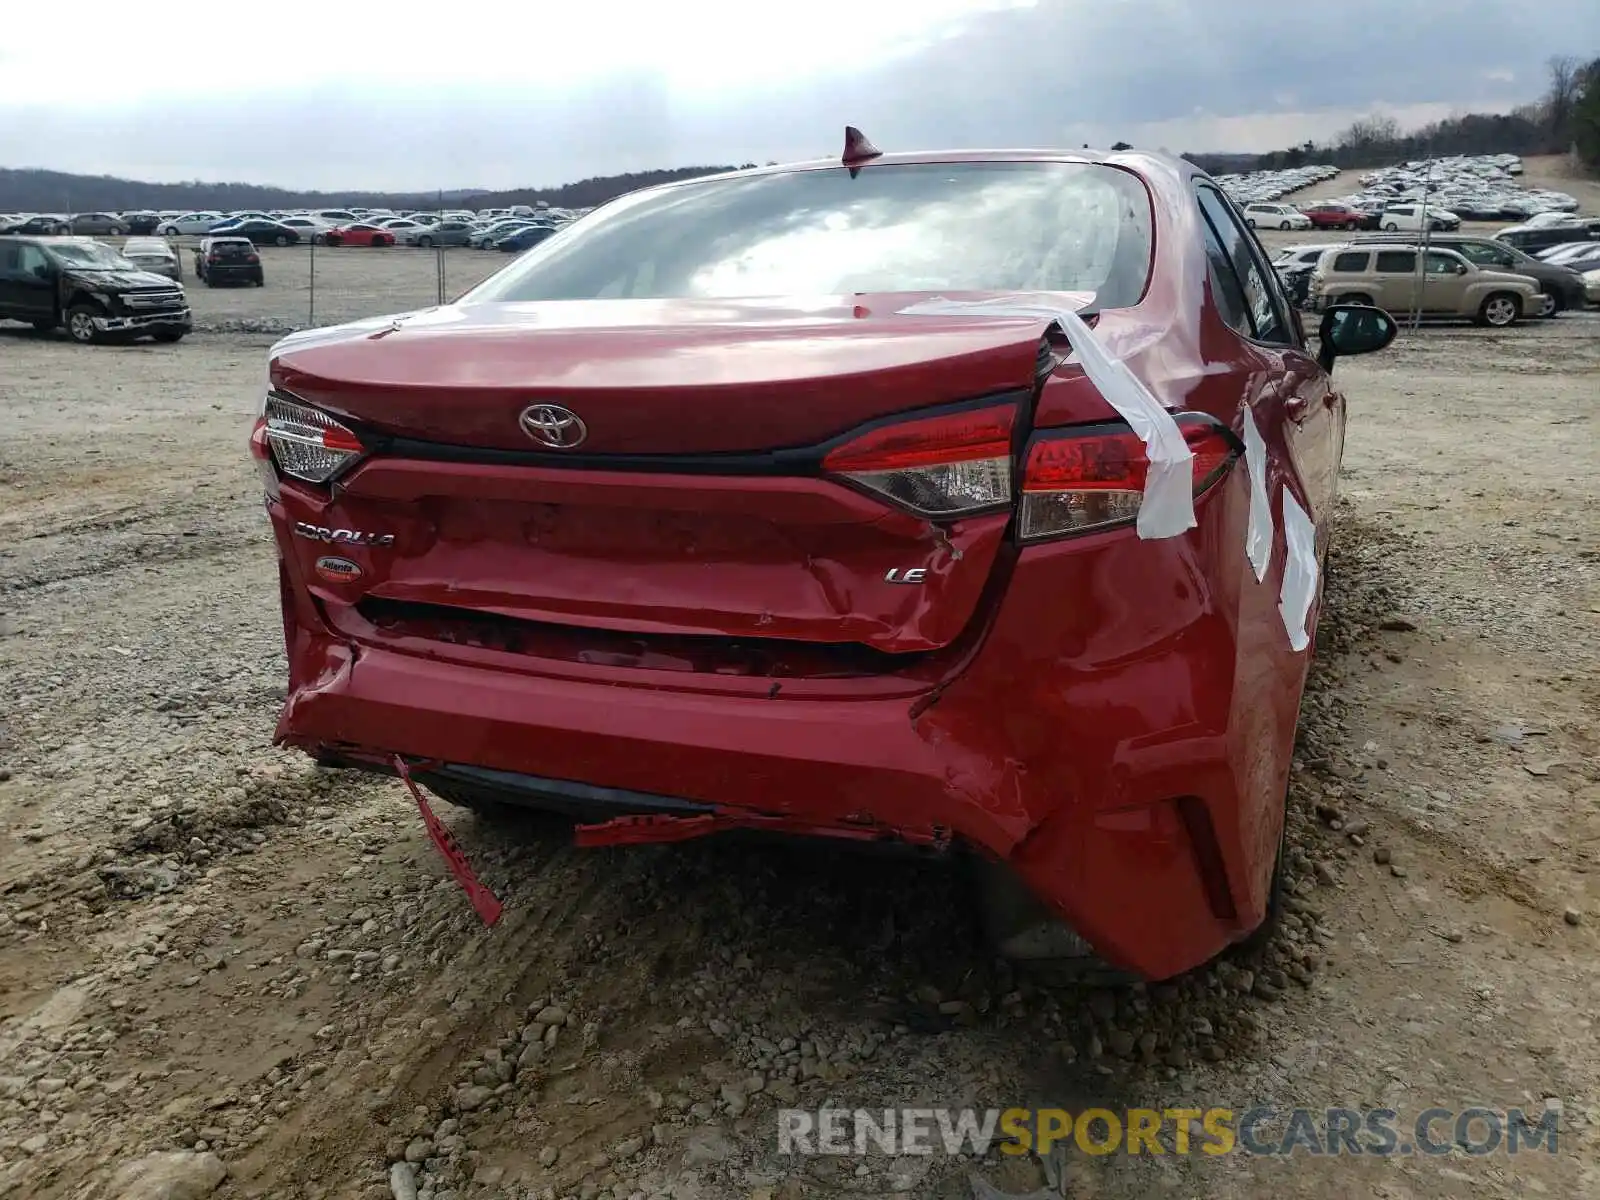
<point x="553" y="426"/>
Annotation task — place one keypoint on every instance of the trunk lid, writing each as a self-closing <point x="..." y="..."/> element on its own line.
<point x="694" y="506"/>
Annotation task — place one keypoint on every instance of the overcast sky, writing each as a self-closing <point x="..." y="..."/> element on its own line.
<point x="491" y="94"/>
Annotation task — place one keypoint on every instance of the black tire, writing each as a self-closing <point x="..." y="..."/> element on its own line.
<point x="1500" y="310"/>
<point x="1358" y="298"/>
<point x="260" y="282"/>
<point x="80" y="324"/>
<point x="281" y="240"/>
<point x="425" y="242"/>
<point x="1250" y="221"/>
<point x="115" y="231"/>
<point x="1391" y="227"/>
<point x="1557" y="304"/>
<point x="210" y="282"/>
<point x="1352" y="224"/>
<point x="169" y="335"/>
<point x="1284" y="226"/>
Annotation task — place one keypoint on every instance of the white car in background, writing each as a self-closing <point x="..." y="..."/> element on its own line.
<point x="1413" y="216"/>
<point x="1275" y="216"/>
<point x="400" y="226"/>
<point x="191" y="224"/>
<point x="310" y="229"/>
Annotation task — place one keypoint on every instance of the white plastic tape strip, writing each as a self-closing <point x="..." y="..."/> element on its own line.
<point x="1167" y="508"/>
<point x="1299" y="571"/>
<point x="1258" y="538"/>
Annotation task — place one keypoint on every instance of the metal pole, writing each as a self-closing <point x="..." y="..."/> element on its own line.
<point x="311" y="315"/>
<point x="1422" y="248"/>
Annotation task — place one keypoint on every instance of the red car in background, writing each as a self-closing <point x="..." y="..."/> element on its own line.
<point x="358" y="235"/>
<point x="802" y="500"/>
<point x="1338" y="216"/>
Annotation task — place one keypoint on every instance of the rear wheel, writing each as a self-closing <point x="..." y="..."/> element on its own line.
<point x="425" y="242"/>
<point x="80" y="324"/>
<point x="281" y="240"/>
<point x="1284" y="226"/>
<point x="1358" y="298"/>
<point x="1553" y="303"/>
<point x="1499" y="310"/>
<point x="1392" y="227"/>
<point x="1352" y="224"/>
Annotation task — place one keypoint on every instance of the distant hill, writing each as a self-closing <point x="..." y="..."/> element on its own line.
<point x="31" y="190"/>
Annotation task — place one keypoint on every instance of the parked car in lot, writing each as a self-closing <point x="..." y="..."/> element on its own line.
<point x="442" y="233"/>
<point x="1275" y="216"/>
<point x="97" y="224"/>
<point x="1560" y="285"/>
<point x="259" y="230"/>
<point x="359" y="234"/>
<point x="525" y="238"/>
<point x="310" y="229"/>
<point x="1338" y="216"/>
<point x="154" y="255"/>
<point x="1415" y="216"/>
<point x="1294" y="267"/>
<point x="90" y="288"/>
<point x="1447" y="285"/>
<point x="643" y="531"/>
<point x="193" y="223"/>
<point x="1533" y="239"/>
<point x="141" y="223"/>
<point x="485" y="236"/>
<point x="227" y="259"/>
<point x="41" y="225"/>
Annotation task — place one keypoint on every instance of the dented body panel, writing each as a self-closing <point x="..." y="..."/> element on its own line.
<point x="695" y="644"/>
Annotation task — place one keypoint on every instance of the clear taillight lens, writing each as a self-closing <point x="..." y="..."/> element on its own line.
<point x="1092" y="477"/>
<point x="942" y="465"/>
<point x="305" y="442"/>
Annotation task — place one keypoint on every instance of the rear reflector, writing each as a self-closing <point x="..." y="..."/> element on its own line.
<point x="943" y="465"/>
<point x="1088" y="478"/>
<point x="306" y="442"/>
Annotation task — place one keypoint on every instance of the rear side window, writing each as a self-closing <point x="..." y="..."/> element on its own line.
<point x="1264" y="303"/>
<point x="1350" y="261"/>
<point x="1397" y="262"/>
<point x="913" y="227"/>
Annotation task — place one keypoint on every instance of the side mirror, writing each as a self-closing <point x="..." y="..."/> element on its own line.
<point x="1353" y="329"/>
<point x="1462" y="268"/>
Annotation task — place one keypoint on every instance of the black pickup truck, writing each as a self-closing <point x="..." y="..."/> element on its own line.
<point x="90" y="288"/>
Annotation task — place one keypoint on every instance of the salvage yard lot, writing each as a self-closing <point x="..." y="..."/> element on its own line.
<point x="206" y="942"/>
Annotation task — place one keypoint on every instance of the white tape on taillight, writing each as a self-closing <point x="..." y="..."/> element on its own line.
<point x="1166" y="507"/>
<point x="306" y="442"/>
<point x="1086" y="478"/>
<point x="944" y="464"/>
<point x="1258" y="537"/>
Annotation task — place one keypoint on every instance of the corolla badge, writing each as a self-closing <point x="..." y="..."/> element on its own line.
<point x="553" y="426"/>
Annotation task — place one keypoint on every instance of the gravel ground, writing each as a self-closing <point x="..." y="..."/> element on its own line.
<point x="224" y="970"/>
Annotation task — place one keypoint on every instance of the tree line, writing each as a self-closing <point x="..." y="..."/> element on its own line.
<point x="1566" y="119"/>
<point x="57" y="191"/>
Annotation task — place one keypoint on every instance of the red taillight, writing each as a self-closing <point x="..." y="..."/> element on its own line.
<point x="252" y="258"/>
<point x="305" y="442"/>
<point x="1093" y="477"/>
<point x="214" y="258"/>
<point x="943" y="464"/>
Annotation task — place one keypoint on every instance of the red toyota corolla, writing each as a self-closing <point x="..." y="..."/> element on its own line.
<point x="975" y="501"/>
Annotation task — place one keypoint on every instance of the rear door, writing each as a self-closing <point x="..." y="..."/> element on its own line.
<point x="27" y="282"/>
<point x="1394" y="274"/>
<point x="1297" y="408"/>
<point x="1443" y="282"/>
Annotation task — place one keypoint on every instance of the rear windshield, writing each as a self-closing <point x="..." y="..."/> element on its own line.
<point x="924" y="227"/>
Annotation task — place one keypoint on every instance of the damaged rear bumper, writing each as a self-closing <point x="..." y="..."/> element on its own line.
<point x="1105" y="752"/>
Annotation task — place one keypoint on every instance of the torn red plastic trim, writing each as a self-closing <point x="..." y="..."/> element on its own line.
<point x="483" y="900"/>
<point x="649" y="829"/>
